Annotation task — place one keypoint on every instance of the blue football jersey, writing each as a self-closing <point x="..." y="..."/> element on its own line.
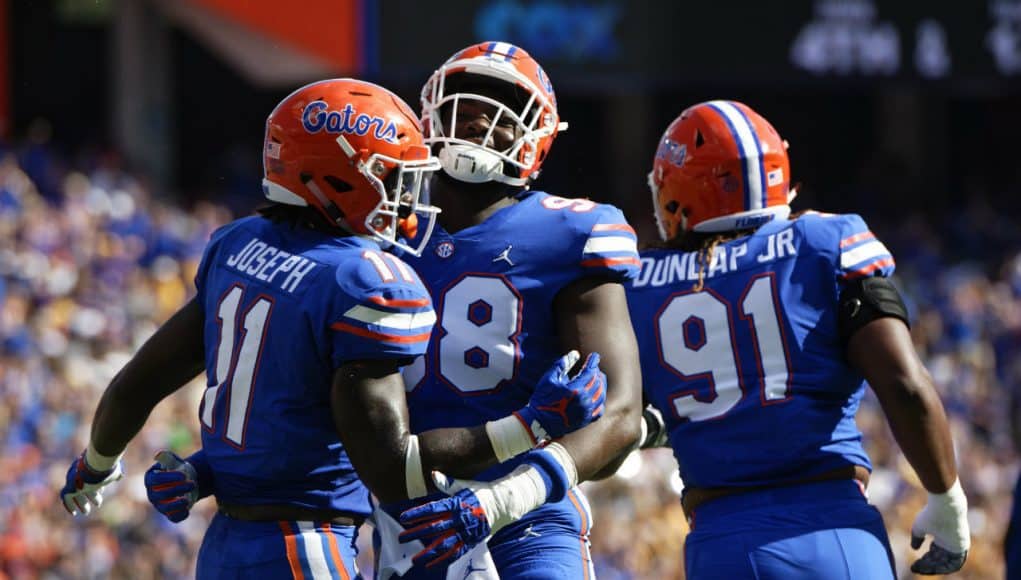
<point x="749" y="372"/>
<point x="493" y="286"/>
<point x="284" y="307"/>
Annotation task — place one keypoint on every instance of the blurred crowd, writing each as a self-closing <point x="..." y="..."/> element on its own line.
<point x="91" y="263"/>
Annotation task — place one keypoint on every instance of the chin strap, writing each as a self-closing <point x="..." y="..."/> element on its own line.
<point x="472" y="164"/>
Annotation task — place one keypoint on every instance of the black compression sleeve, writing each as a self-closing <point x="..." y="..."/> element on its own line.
<point x="866" y="299"/>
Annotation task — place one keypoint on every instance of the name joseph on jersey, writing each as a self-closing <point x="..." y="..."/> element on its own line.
<point x="674" y="267"/>
<point x="266" y="262"/>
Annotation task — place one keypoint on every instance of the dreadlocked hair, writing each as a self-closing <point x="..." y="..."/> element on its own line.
<point x="298" y="216"/>
<point x="703" y="243"/>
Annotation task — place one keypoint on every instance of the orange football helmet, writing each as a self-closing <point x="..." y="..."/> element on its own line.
<point x="352" y="150"/>
<point x="719" y="166"/>
<point x="535" y="118"/>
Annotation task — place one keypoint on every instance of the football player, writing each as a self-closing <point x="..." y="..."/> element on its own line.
<point x="517" y="275"/>
<point x="756" y="331"/>
<point x="302" y="325"/>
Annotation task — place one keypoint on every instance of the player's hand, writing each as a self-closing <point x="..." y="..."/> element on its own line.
<point x="82" y="490"/>
<point x="945" y="518"/>
<point x="449" y="527"/>
<point x="562" y="403"/>
<point x="172" y="486"/>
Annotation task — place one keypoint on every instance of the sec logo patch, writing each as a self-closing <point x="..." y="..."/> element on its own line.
<point x="445" y="249"/>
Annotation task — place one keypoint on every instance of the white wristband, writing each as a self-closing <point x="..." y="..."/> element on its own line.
<point x="509" y="437"/>
<point x="414" y="480"/>
<point x="98" y="461"/>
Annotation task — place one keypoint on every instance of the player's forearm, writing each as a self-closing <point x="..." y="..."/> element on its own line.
<point x="593" y="317"/>
<point x="117" y="420"/>
<point x="882" y="350"/>
<point x="371" y="416"/>
<point x="167" y="361"/>
<point x="461" y="452"/>
<point x="600" y="448"/>
<point x="919" y="424"/>
<point x="127" y="402"/>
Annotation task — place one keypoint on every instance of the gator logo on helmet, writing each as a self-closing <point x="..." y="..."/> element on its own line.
<point x="316" y="117"/>
<point x="672" y="152"/>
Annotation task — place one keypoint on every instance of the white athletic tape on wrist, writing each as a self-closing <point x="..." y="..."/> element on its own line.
<point x="414" y="480"/>
<point x="98" y="461"/>
<point x="953" y="496"/>
<point x="509" y="437"/>
<point x="955" y="501"/>
<point x="563" y="456"/>
<point x="509" y="498"/>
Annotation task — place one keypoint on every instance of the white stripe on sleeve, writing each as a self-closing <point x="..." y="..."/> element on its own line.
<point x="610" y="244"/>
<point x="396" y="320"/>
<point x="863" y="252"/>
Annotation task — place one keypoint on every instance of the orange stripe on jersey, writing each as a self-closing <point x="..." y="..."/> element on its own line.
<point x="382" y="337"/>
<point x="584" y="527"/>
<point x="581" y="511"/>
<point x="338" y="562"/>
<point x="292" y="550"/>
<point x="869" y="269"/>
<point x="609" y="262"/>
<point x="614" y="228"/>
<point x="398" y="303"/>
<point x="856" y="238"/>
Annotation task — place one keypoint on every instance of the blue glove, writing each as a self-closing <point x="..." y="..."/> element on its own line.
<point x="561" y="403"/>
<point x="83" y="487"/>
<point x="173" y="485"/>
<point x="452" y="526"/>
<point x="448" y="527"/>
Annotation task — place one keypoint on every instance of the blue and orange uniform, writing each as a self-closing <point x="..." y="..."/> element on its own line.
<point x="750" y="375"/>
<point x="494" y="286"/>
<point x="294" y="304"/>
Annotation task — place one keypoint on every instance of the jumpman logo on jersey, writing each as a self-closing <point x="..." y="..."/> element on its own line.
<point x="505" y="256"/>
<point x="530" y="533"/>
<point x="472" y="568"/>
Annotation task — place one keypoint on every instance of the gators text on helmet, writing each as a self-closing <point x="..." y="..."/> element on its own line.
<point x="354" y="151"/>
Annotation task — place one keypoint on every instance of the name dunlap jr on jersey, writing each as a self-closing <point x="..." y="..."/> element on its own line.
<point x="674" y="267"/>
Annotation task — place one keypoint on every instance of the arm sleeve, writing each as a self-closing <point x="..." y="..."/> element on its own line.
<point x="375" y="318"/>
